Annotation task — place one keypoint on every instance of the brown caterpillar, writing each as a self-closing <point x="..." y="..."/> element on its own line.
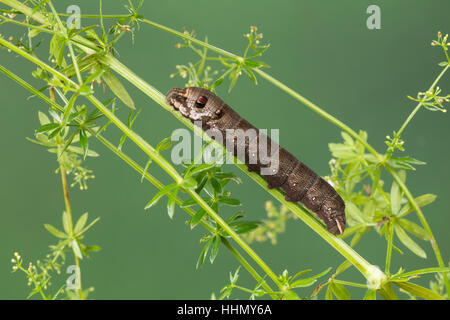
<point x="298" y="181"/>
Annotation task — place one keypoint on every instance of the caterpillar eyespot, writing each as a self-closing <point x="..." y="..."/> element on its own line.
<point x="298" y="182"/>
<point x="201" y="101"/>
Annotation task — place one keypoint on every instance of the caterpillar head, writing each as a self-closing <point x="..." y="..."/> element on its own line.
<point x="195" y="103"/>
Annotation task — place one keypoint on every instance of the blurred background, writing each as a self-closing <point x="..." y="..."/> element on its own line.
<point x="322" y="49"/>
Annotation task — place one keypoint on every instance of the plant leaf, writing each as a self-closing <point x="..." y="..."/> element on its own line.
<point x="354" y="212"/>
<point x="418" y="272"/>
<point x="404" y="163"/>
<point x="201" y="168"/>
<point x="43" y="119"/>
<point x="291" y="295"/>
<point x="408" y="242"/>
<point x="159" y="195"/>
<point x="164" y="145"/>
<point x="396" y="197"/>
<point x="303" y="283"/>
<point x="370" y="295"/>
<point x="89" y="225"/>
<point x="81" y="223"/>
<point x="421" y="201"/>
<point x="65" y="221"/>
<point x="298" y="274"/>
<point x="214" y="249"/>
<point x="47" y="127"/>
<point x="171" y="204"/>
<point x="419" y="291"/>
<point x="189" y="183"/>
<point x="414" y="229"/>
<point x="57" y="233"/>
<point x="230" y="201"/>
<point x="84" y="142"/>
<point x="339" y="291"/>
<point x="118" y="89"/>
<point x="197" y="217"/>
<point x="76" y="249"/>
<point x="244" y="226"/>
<point x="202" y="256"/>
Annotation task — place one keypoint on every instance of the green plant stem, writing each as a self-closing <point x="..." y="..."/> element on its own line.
<point x="27" y="25"/>
<point x="139" y="169"/>
<point x="70" y="223"/>
<point x="390" y="240"/>
<point x="36" y="285"/>
<point x="318" y="110"/>
<point x="69" y="217"/>
<point x="242" y="288"/>
<point x="420" y="104"/>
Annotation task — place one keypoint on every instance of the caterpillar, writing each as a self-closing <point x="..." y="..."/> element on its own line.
<point x="261" y="154"/>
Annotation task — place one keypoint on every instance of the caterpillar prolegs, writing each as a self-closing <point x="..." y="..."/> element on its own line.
<point x="261" y="154"/>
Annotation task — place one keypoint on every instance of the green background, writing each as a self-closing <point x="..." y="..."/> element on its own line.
<point x="322" y="49"/>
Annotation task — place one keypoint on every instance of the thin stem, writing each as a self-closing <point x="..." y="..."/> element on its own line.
<point x="69" y="216"/>
<point x="58" y="20"/>
<point x="192" y="39"/>
<point x="242" y="288"/>
<point x="70" y="223"/>
<point x="36" y="285"/>
<point x="69" y="44"/>
<point x="27" y="25"/>
<point x="420" y="104"/>
<point x="101" y="18"/>
<point x="318" y="110"/>
<point x="75" y="63"/>
<point x="390" y="240"/>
